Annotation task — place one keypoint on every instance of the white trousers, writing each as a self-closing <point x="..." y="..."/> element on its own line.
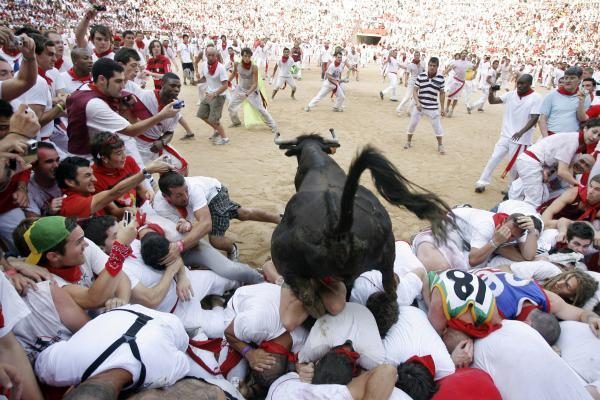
<point x="325" y="90"/>
<point x="407" y="100"/>
<point x="393" y="87"/>
<point x="531" y="173"/>
<point x="281" y="80"/>
<point x="481" y="101"/>
<point x="434" y="118"/>
<point x="504" y="146"/>
<point x="237" y="98"/>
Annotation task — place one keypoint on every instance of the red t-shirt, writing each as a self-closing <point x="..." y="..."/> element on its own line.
<point x="467" y="384"/>
<point x="108" y="178"/>
<point x="78" y="205"/>
<point x="6" y="200"/>
<point x="160" y="65"/>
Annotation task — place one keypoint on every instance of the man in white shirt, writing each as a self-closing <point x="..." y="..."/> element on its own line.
<point x="186" y="54"/>
<point x="11" y="88"/>
<point x="392" y="67"/>
<point x="518" y="124"/>
<point x="488" y="79"/>
<point x="456" y="84"/>
<point x="81" y="71"/>
<point x="100" y="38"/>
<point x="414" y="69"/>
<point x="285" y="76"/>
<point x="211" y="107"/>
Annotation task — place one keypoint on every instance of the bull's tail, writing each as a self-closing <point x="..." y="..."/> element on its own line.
<point x="396" y="189"/>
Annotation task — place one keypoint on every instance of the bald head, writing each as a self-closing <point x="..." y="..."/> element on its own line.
<point x="78" y="53"/>
<point x="524" y="84"/>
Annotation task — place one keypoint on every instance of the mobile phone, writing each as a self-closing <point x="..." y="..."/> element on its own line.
<point x="17" y="42"/>
<point x="179" y="104"/>
<point x="99" y="7"/>
<point x="127" y="217"/>
<point x="30" y="155"/>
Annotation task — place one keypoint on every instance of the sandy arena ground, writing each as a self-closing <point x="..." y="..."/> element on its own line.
<point x="259" y="175"/>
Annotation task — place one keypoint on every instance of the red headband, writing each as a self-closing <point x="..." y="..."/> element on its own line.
<point x="352" y="356"/>
<point x="276" y="348"/>
<point x="426" y="361"/>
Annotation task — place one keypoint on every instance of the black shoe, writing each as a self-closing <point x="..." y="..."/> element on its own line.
<point x="479" y="189"/>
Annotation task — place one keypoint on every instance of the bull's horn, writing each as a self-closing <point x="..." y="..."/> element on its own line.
<point x="278" y="141"/>
<point x="334" y="137"/>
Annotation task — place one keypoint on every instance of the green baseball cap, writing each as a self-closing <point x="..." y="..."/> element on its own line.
<point x="43" y="235"/>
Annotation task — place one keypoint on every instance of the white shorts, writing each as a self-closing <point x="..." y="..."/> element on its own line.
<point x="454" y="88"/>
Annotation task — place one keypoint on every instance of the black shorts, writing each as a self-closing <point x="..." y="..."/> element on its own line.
<point x="189" y="66"/>
<point x="222" y="210"/>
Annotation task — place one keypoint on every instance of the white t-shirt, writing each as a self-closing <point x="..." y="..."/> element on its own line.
<point x="460" y="68"/>
<point x="537" y="270"/>
<point x="101" y="118"/>
<point x="289" y="386"/>
<point x="201" y="190"/>
<point x="591" y="303"/>
<point x="552" y="149"/>
<point x="64" y="363"/>
<point x="148" y="98"/>
<point x="370" y="282"/>
<point x="393" y="66"/>
<point x="71" y="84"/>
<point x="12" y="307"/>
<point x="476" y="226"/>
<point x="39" y="94"/>
<point x="516" y="114"/>
<point x="523" y="366"/>
<point x="40" y="197"/>
<point x="95" y="260"/>
<point x="58" y="82"/>
<point x="215" y="81"/>
<point x="355" y="323"/>
<point x="580" y="348"/>
<point x="405" y="261"/>
<point x="284" y="68"/>
<point x="186" y="52"/>
<point x="257" y="319"/>
<point x="413" y="335"/>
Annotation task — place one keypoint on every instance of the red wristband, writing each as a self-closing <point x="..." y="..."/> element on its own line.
<point x="118" y="253"/>
<point x="10" y="272"/>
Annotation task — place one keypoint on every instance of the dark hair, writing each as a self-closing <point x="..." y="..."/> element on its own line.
<point x="269" y="375"/>
<point x="46" y="145"/>
<point x="590" y="80"/>
<point x="128" y="32"/>
<point x="385" y="311"/>
<point x="18" y="236"/>
<point x="125" y="55"/>
<point x="67" y="170"/>
<point x="6" y="109"/>
<point x="333" y="369"/>
<point x="581" y="229"/>
<point x="170" y="180"/>
<point x="416" y="381"/>
<point x="41" y="42"/>
<point x="285" y="48"/>
<point x="169" y="75"/>
<point x="96" y="228"/>
<point x="247" y="50"/>
<point x="597" y="309"/>
<point x="103" y="144"/>
<point x="574" y="71"/>
<point x="434" y="60"/>
<point x="92" y="390"/>
<point x="592" y="123"/>
<point x="185" y="35"/>
<point x="546" y="324"/>
<point x="105" y="67"/>
<point x="537" y="223"/>
<point x="526" y="78"/>
<point x="154" y="248"/>
<point x="101" y="29"/>
<point x="162" y="50"/>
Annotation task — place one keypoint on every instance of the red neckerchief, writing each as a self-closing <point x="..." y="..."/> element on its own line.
<point x="426" y="361"/>
<point x="415" y="61"/>
<point x="224" y="45"/>
<point x="582" y="145"/>
<point x="352" y="356"/>
<point x="326" y="46"/>
<point x="103" y="54"/>
<point x="231" y="56"/>
<point x="337" y="64"/>
<point x="247" y="66"/>
<point x="113" y="103"/>
<point x="59" y="63"/>
<point x="212" y="68"/>
<point x="284" y="59"/>
<point x="472" y="330"/>
<point x="69" y="274"/>
<point x="11" y="52"/>
<point x="564" y="92"/>
<point x="499" y="218"/>
<point x="140" y="44"/>
<point x="160" y="104"/>
<point x="42" y="73"/>
<point x="275" y="348"/>
<point x="590" y="210"/>
<point x="83" y="79"/>
<point x="525" y="94"/>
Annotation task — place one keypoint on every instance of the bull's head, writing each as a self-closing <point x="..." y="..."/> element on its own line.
<point x="294" y="146"/>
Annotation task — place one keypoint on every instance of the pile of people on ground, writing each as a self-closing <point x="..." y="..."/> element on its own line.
<point x="119" y="278"/>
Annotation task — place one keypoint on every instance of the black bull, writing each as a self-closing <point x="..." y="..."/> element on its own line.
<point x="334" y="227"/>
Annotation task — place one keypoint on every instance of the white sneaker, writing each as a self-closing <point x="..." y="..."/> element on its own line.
<point x="441" y="149"/>
<point x="307" y="108"/>
<point x="220" y="141"/>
